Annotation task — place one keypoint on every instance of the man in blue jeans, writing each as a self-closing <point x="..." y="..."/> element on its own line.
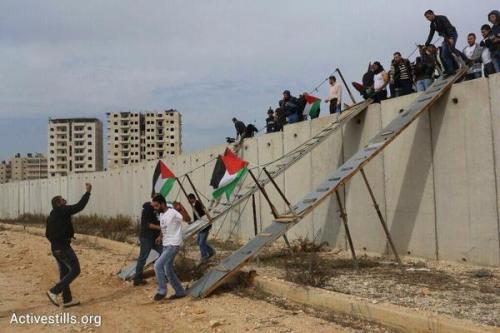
<point x="149" y="233"/>
<point x="59" y="232"/>
<point x="171" y="237"/>
<point x="198" y="211"/>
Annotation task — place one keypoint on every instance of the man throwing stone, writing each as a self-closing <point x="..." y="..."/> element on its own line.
<point x="60" y="231"/>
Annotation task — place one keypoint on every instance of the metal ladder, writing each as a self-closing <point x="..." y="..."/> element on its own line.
<point x="219" y="209"/>
<point x="230" y="265"/>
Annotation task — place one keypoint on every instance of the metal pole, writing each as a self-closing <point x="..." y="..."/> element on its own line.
<point x="273" y="209"/>
<point x="279" y="191"/>
<point x="254" y="211"/>
<point x="346" y="86"/>
<point x="343" y="216"/>
<point x="381" y="218"/>
<point x="182" y="188"/>
<point x="199" y="199"/>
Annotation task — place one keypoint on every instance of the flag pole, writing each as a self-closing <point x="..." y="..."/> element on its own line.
<point x="199" y="199"/>
<point x="182" y="188"/>
<point x="346" y="86"/>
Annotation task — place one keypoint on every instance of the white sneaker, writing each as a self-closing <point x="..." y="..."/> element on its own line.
<point x="71" y="303"/>
<point x="52" y="298"/>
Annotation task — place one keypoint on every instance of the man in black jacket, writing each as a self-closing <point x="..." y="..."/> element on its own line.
<point x="402" y="75"/>
<point x="147" y="237"/>
<point x="60" y="231"/>
<point x="198" y="212"/>
<point x="445" y="29"/>
<point x="240" y="128"/>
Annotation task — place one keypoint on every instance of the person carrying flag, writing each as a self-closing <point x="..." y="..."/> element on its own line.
<point x="198" y="212"/>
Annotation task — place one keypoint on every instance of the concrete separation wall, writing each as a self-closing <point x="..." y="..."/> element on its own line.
<point x="437" y="184"/>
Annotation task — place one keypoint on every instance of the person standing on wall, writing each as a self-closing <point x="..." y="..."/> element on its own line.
<point x="171" y="238"/>
<point x="473" y="52"/>
<point x="198" y="212"/>
<point x="380" y="82"/>
<point x="148" y="234"/>
<point x="445" y="29"/>
<point x="402" y="75"/>
<point x="334" y="95"/>
<point x="494" y="18"/>
<point x="59" y="232"/>
<point x="487" y="45"/>
<point x="270" y="121"/>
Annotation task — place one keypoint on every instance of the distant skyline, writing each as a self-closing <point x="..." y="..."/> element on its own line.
<point x="209" y="60"/>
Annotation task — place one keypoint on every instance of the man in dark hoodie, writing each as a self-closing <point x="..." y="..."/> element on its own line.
<point x="441" y="25"/>
<point x="494" y="18"/>
<point x="60" y="231"/>
<point x="147" y="237"/>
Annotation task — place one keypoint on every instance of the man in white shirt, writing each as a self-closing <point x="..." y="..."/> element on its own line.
<point x="171" y="237"/>
<point x="334" y="95"/>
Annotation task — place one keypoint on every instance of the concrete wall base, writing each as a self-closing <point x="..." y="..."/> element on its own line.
<point x="396" y="317"/>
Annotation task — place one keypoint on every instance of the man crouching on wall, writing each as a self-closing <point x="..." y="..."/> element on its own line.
<point x="60" y="231"/>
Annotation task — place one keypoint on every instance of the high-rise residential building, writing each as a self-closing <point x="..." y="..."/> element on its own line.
<point x="75" y="146"/>
<point x="136" y="137"/>
<point x="4" y="172"/>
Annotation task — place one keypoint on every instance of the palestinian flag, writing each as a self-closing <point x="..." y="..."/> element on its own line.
<point x="163" y="179"/>
<point x="228" y="171"/>
<point x="312" y="106"/>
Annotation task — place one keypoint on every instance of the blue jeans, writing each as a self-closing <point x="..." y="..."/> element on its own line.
<point x="164" y="267"/>
<point x="69" y="269"/>
<point x="422" y="85"/>
<point x="205" y="249"/>
<point x="293" y="118"/>
<point x="147" y="244"/>
<point x="496" y="61"/>
<point x="446" y="54"/>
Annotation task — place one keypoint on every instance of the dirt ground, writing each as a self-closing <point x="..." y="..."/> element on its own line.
<point x="454" y="289"/>
<point x="27" y="270"/>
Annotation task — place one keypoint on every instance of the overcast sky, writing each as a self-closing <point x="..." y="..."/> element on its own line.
<point x="211" y="60"/>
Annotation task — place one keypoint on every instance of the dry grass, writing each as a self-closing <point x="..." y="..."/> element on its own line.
<point x="117" y="228"/>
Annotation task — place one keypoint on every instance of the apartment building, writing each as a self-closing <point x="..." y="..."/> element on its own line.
<point x="4" y="172"/>
<point x="31" y="166"/>
<point x="137" y="137"/>
<point x="75" y="146"/>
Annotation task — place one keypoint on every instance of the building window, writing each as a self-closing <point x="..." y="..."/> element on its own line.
<point x="90" y="158"/>
<point x="90" y="143"/>
<point x="89" y="128"/>
<point x="90" y="165"/>
<point x="90" y="150"/>
<point x="116" y="131"/>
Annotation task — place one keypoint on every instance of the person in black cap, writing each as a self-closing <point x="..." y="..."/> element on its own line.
<point x="270" y="121"/>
